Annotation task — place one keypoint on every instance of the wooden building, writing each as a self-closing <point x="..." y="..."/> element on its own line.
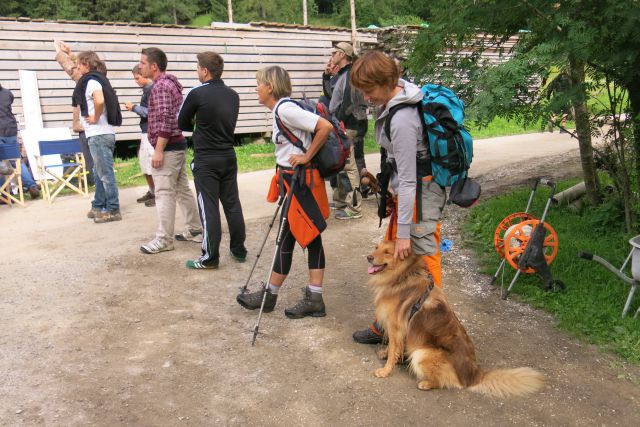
<point x="303" y="50"/>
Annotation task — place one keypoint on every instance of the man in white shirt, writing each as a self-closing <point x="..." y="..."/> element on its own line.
<point x="95" y="97"/>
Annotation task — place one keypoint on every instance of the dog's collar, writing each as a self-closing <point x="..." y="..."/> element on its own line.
<point x="415" y="307"/>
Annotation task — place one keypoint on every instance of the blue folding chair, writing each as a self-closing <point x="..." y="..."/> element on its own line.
<point x="73" y="169"/>
<point x="11" y="151"/>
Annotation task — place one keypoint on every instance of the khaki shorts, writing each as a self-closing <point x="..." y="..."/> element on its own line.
<point x="145" y="152"/>
<point x="423" y="238"/>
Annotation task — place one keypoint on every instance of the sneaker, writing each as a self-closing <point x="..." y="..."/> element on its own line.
<point x="93" y="213"/>
<point x="367" y="336"/>
<point x="189" y="236"/>
<point x="253" y="300"/>
<point x="150" y="203"/>
<point x="311" y="304"/>
<point x="238" y="257"/>
<point x="107" y="216"/>
<point x="148" y="196"/>
<point x="197" y="265"/>
<point x="156" y="246"/>
<point x="347" y="215"/>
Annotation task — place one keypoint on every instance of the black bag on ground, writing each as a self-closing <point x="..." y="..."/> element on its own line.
<point x="464" y="192"/>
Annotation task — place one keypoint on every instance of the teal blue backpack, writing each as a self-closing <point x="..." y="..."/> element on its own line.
<point x="450" y="144"/>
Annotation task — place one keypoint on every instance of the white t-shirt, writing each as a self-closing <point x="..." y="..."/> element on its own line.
<point x="300" y="122"/>
<point x="102" y="127"/>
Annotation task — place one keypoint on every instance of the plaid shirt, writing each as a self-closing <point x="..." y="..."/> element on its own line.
<point x="164" y="104"/>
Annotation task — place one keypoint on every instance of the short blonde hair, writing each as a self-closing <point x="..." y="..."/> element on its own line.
<point x="278" y="78"/>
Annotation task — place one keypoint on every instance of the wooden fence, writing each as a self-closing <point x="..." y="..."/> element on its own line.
<point x="28" y="44"/>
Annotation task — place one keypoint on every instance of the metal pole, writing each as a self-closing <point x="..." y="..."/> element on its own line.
<point x="304" y="11"/>
<point x="230" y="10"/>
<point x="273" y="220"/>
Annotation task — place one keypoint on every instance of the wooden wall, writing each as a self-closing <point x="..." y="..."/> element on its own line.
<point x="27" y="44"/>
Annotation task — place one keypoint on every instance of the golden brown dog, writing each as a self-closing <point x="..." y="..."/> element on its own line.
<point x="441" y="353"/>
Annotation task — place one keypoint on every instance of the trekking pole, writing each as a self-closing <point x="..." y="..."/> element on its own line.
<point x="285" y="211"/>
<point x="273" y="220"/>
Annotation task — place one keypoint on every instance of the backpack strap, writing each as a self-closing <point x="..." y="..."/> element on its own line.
<point x="286" y="131"/>
<point x="387" y="130"/>
<point x="393" y="110"/>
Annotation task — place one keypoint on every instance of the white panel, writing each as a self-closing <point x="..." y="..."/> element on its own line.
<point x="30" y="99"/>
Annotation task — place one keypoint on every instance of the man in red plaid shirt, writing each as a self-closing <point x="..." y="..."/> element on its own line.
<point x="169" y="158"/>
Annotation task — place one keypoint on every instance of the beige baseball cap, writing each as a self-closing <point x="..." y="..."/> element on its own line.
<point x="343" y="47"/>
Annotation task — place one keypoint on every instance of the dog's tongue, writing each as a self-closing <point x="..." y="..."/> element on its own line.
<point x="373" y="269"/>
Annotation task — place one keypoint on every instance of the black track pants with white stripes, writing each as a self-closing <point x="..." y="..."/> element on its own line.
<point x="216" y="181"/>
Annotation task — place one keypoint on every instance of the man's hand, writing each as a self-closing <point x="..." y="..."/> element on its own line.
<point x="61" y="47"/>
<point x="129" y="106"/>
<point x="92" y="120"/>
<point x="157" y="159"/>
<point x="403" y="249"/>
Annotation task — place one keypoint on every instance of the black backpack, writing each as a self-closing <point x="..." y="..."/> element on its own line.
<point x="333" y="154"/>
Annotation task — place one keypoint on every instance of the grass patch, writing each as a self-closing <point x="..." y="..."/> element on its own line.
<point x="253" y="157"/>
<point x="591" y="307"/>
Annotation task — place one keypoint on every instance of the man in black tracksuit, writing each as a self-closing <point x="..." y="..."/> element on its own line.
<point x="212" y="110"/>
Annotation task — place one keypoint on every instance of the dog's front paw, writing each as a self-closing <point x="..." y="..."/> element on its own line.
<point x="383" y="353"/>
<point x="382" y="372"/>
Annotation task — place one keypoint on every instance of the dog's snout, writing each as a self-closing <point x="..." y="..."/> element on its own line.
<point x="370" y="258"/>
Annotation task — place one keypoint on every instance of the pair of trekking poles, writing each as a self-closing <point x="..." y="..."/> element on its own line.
<point x="284" y="199"/>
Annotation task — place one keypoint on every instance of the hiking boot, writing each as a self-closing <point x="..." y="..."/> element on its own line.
<point x="238" y="257"/>
<point x="107" y="216"/>
<point x="189" y="236"/>
<point x="198" y="265"/>
<point x="148" y="196"/>
<point x="346" y="215"/>
<point x="310" y="305"/>
<point x="156" y="246"/>
<point x="253" y="300"/>
<point x="367" y="336"/>
<point x="34" y="192"/>
<point x="93" y="213"/>
<point x="150" y="203"/>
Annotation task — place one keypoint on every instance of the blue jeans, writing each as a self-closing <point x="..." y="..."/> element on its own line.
<point x="27" y="179"/>
<point x="106" y="197"/>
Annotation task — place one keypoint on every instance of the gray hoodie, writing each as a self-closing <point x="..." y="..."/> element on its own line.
<point x="407" y="138"/>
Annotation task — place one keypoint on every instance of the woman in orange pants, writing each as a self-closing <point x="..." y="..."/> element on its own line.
<point x="418" y="201"/>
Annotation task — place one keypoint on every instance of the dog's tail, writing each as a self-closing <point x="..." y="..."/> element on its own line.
<point x="509" y="382"/>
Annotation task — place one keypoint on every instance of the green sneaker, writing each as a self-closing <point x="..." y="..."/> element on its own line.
<point x="197" y="265"/>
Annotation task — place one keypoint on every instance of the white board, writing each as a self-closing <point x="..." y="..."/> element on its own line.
<point x="30" y="99"/>
<point x="30" y="138"/>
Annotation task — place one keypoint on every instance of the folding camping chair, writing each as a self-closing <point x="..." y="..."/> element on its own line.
<point x="68" y="172"/>
<point x="11" y="151"/>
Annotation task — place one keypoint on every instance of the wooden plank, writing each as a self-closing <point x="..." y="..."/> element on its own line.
<point x="184" y="55"/>
<point x="258" y="60"/>
<point x="141" y="40"/>
<point x="133" y="30"/>
<point x="128" y="47"/>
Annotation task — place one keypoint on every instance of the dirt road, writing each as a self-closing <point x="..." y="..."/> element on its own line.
<point x="92" y="332"/>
